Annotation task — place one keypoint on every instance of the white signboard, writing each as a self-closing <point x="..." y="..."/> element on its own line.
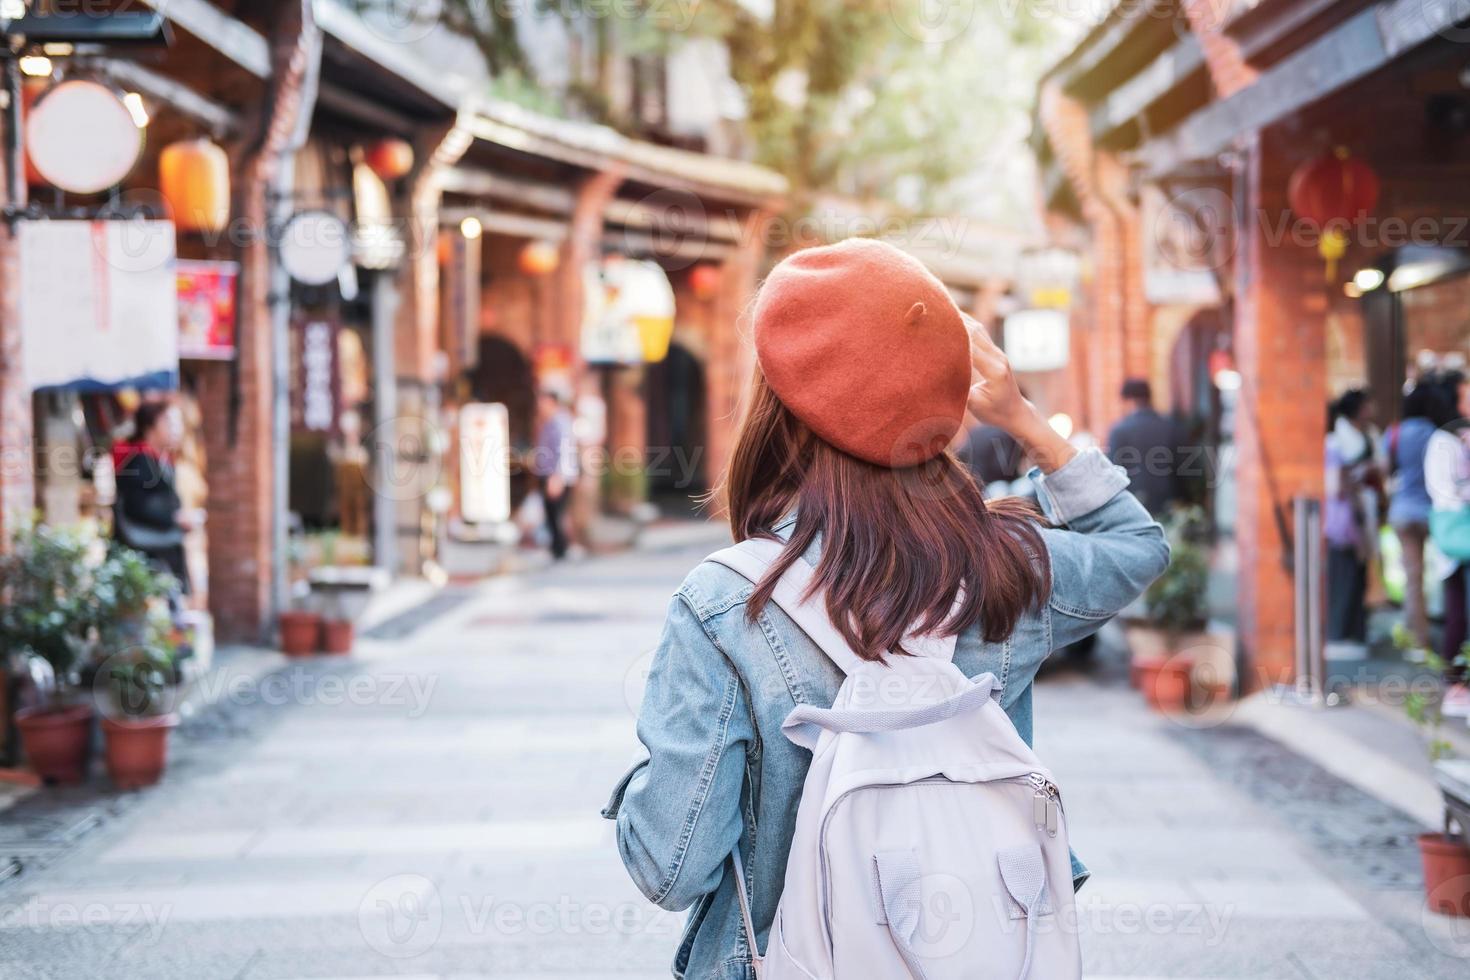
<point x="98" y="304"/>
<point x="1037" y="340"/>
<point x="484" y="463"/>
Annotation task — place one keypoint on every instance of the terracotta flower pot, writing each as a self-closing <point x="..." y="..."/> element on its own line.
<point x="300" y="632"/>
<point x="137" y="749"/>
<point x="56" y="741"/>
<point x="337" y="636"/>
<point x="1164" y="680"/>
<point x="1446" y="873"/>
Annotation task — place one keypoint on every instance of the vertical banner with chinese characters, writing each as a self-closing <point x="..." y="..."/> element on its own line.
<point x="315" y="385"/>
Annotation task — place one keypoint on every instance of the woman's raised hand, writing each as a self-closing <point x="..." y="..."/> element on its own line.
<point x="996" y="399"/>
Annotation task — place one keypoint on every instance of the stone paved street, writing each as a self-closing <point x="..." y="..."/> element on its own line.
<point x="430" y="809"/>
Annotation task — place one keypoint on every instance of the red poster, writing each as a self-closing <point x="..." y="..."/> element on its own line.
<point x="207" y="310"/>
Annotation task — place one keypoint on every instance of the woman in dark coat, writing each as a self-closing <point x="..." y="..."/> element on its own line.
<point x="148" y="515"/>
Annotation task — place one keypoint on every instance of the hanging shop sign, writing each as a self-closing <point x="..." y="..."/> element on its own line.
<point x="315" y="388"/>
<point x="207" y="310"/>
<point x="1037" y="340"/>
<point x="314" y="247"/>
<point x="484" y="463"/>
<point x="1189" y="240"/>
<point x="81" y="137"/>
<point x="98" y="304"/>
<point x="629" y="314"/>
<point x="1047" y="278"/>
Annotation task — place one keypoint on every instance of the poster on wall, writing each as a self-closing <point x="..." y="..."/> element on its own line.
<point x="98" y="305"/>
<point x="484" y="463"/>
<point x="315" y="386"/>
<point x="207" y="310"/>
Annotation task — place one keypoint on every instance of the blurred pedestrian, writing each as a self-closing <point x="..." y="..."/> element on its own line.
<point x="1347" y="518"/>
<point x="1447" y="479"/>
<point x="863" y="377"/>
<point x="148" y="515"/>
<point x="1147" y="445"/>
<point x="993" y="457"/>
<point x="555" y="463"/>
<point x="1405" y="445"/>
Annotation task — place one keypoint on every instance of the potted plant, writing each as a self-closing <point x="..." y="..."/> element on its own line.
<point x="1176" y="613"/>
<point x="301" y="631"/>
<point x="135" y="682"/>
<point x="45" y="617"/>
<point x="1445" y="856"/>
<point x="338" y="634"/>
<point x="139" y="684"/>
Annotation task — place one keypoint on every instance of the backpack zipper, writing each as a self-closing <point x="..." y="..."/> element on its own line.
<point x="1046" y="804"/>
<point x="1046" y="810"/>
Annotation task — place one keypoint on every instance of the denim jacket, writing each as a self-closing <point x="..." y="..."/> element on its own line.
<point x="719" y="771"/>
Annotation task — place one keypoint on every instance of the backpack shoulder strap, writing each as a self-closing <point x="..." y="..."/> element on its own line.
<point x="753" y="557"/>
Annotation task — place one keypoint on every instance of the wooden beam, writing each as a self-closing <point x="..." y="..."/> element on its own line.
<point x="693" y="250"/>
<point x="694" y="223"/>
<point x="1131" y="99"/>
<point x="231" y="38"/>
<point x="1343" y="55"/>
<point x="1357" y="47"/>
<point x="1105" y="43"/>
<point x="366" y="110"/>
<point x="220" y="120"/>
<point x="473" y="182"/>
<point x="505" y="223"/>
<point x="348" y="28"/>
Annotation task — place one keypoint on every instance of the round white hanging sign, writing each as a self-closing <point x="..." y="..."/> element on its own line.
<point x="82" y="138"/>
<point x="315" y="245"/>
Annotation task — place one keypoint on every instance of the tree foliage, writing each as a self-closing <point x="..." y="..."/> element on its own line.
<point x="888" y="100"/>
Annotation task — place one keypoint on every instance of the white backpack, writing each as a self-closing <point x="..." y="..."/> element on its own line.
<point x="930" y="842"/>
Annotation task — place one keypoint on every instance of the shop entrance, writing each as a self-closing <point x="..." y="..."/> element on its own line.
<point x="676" y="428"/>
<point x="504" y="376"/>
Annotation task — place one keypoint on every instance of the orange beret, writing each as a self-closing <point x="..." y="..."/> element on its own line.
<point x="865" y="346"/>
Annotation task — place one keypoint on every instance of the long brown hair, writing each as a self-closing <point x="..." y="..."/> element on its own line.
<point x="901" y="550"/>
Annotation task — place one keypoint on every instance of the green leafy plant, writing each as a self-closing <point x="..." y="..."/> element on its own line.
<point x="46" y="608"/>
<point x="1177" y="600"/>
<point x="1425" y="708"/>
<point x="126" y="591"/>
<point x="140" y="679"/>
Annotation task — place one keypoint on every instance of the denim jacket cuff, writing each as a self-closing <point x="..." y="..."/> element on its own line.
<point x="1088" y="481"/>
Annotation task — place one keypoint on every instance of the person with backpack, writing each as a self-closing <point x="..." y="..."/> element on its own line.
<point x="838" y="716"/>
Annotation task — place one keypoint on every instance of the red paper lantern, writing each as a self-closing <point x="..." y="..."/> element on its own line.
<point x="1333" y="191"/>
<point x="1333" y="188"/>
<point x="390" y="159"/>
<point x="539" y="258"/>
<point x="704" y="280"/>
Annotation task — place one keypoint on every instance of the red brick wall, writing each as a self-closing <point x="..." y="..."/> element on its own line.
<point x="17" y="463"/>
<point x="1280" y="350"/>
<point x="1116" y="311"/>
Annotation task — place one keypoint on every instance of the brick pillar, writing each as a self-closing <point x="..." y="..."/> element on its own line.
<point x="627" y="438"/>
<point x="1120" y="340"/>
<point x="1280" y="349"/>
<point x="731" y="351"/>
<point x="17" y="458"/>
<point x="1229" y="71"/>
<point x="241" y="464"/>
<point x="583" y="244"/>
